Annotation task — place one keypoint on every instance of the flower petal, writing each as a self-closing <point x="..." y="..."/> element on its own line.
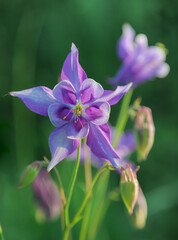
<point x="65" y="92"/>
<point x="37" y="99"/>
<point x="141" y="42"/>
<point x="60" y="146"/>
<point x="125" y="44"/>
<point x="113" y="97"/>
<point x="127" y="144"/>
<point x="77" y="129"/>
<point x="101" y="146"/>
<point x="72" y="70"/>
<point x="90" y="90"/>
<point x="59" y="114"/>
<point x="106" y="131"/>
<point x="98" y="113"/>
<point x="163" y="70"/>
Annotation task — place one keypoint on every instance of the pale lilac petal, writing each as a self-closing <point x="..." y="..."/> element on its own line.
<point x="100" y="146"/>
<point x="77" y="129"/>
<point x="113" y="97"/>
<point x="141" y="42"/>
<point x="148" y="68"/>
<point x="59" y="114"/>
<point x="60" y="146"/>
<point x="127" y="144"/>
<point x="65" y="92"/>
<point x="72" y="70"/>
<point x="37" y="99"/>
<point x="163" y="70"/>
<point x="90" y="90"/>
<point x="125" y="44"/>
<point x="98" y="113"/>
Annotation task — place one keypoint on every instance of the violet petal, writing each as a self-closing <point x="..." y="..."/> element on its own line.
<point x="60" y="146"/>
<point x="98" y="112"/>
<point x="77" y="129"/>
<point x="72" y="70"/>
<point x="113" y="97"/>
<point x="90" y="90"/>
<point x="59" y="114"/>
<point x="125" y="44"/>
<point x="101" y="146"/>
<point x="37" y="99"/>
<point x="65" y="92"/>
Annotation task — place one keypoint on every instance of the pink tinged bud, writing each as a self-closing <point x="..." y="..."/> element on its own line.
<point x="129" y="188"/>
<point x="145" y="132"/>
<point x="139" y="215"/>
<point x="47" y="197"/>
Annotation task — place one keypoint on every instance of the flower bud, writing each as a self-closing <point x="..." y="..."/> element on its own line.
<point x="139" y="215"/>
<point x="129" y="187"/>
<point x="145" y="131"/>
<point x="46" y="196"/>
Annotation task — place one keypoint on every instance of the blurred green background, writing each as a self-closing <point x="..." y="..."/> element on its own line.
<point x="35" y="38"/>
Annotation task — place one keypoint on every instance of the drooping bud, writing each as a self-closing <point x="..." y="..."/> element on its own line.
<point x="30" y="173"/>
<point x="46" y="196"/>
<point x="145" y="132"/>
<point x="129" y="187"/>
<point x="139" y="215"/>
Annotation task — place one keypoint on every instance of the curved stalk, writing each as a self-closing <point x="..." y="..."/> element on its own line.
<point x="122" y="118"/>
<point x="69" y="195"/>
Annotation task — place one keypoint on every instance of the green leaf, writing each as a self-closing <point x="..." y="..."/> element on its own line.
<point x="30" y="173"/>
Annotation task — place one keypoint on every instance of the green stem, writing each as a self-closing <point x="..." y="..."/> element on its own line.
<point x="85" y="222"/>
<point x="120" y="125"/>
<point x="87" y="166"/>
<point x="122" y="118"/>
<point x="69" y="195"/>
<point x="1" y="235"/>
<point x="77" y="216"/>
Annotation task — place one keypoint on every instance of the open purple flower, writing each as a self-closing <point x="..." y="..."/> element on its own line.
<point x="79" y="107"/>
<point x="140" y="62"/>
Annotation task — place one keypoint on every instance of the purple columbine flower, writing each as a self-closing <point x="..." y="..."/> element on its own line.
<point x="140" y="62"/>
<point x="79" y="107"/>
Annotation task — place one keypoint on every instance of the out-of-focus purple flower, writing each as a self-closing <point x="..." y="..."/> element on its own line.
<point x="126" y="145"/>
<point x="145" y="132"/>
<point x="140" y="62"/>
<point x="79" y="107"/>
<point x="46" y="195"/>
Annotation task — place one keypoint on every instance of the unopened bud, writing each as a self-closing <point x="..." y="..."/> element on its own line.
<point x="139" y="215"/>
<point x="46" y="196"/>
<point x="145" y="131"/>
<point x="129" y="188"/>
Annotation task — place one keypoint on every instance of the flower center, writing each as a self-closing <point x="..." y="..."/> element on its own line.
<point x="78" y="110"/>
